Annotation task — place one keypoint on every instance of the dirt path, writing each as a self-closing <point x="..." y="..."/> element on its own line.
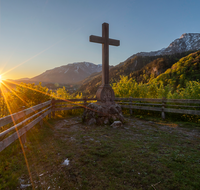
<point x="74" y="124"/>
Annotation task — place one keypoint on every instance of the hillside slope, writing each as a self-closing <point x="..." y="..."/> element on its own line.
<point x="186" y="69"/>
<point x="142" y="69"/>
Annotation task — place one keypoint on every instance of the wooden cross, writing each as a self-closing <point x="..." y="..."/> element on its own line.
<point x="105" y="41"/>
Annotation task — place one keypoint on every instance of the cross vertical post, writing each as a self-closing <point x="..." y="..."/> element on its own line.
<point x="105" y="54"/>
<point x="105" y="93"/>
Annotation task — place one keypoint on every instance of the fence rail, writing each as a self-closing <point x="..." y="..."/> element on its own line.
<point x="165" y="106"/>
<point x="70" y="104"/>
<point x="16" y="116"/>
<point x="40" y="111"/>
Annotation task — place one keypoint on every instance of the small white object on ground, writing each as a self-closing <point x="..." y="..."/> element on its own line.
<point x="66" y="162"/>
<point x="23" y="186"/>
<point x="116" y="124"/>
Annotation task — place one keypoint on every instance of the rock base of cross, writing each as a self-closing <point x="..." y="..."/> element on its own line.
<point x="105" y="95"/>
<point x="100" y="113"/>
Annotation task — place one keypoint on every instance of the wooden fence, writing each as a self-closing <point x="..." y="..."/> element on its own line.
<point x="70" y="104"/>
<point x="17" y="124"/>
<point x="161" y="105"/>
<point x="24" y="120"/>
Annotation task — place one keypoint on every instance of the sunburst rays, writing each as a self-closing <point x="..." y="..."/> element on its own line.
<point x="6" y="87"/>
<point x="14" y="122"/>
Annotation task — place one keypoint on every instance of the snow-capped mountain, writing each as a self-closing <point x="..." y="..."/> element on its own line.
<point x="70" y="73"/>
<point x="187" y="42"/>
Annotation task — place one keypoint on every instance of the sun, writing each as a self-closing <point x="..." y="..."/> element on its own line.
<point x="1" y="79"/>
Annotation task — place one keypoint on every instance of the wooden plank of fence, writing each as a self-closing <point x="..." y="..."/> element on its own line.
<point x="22" y="123"/>
<point x="62" y="105"/>
<point x="183" y="101"/>
<point x="74" y="100"/>
<point x="182" y="106"/>
<point x="16" y="116"/>
<point x="10" y="118"/>
<point x="142" y="107"/>
<point x="132" y="103"/>
<point x="192" y="112"/>
<point x="6" y="142"/>
<point x="139" y="99"/>
<point x="166" y="105"/>
<point x="68" y="108"/>
<point x="172" y="110"/>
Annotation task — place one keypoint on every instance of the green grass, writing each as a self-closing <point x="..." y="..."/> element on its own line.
<point x="136" y="156"/>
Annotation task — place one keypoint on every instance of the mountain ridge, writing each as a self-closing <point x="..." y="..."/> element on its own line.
<point x="68" y="74"/>
<point x="187" y="42"/>
<point x="147" y="67"/>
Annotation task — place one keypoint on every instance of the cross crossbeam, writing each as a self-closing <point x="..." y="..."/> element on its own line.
<point x="100" y="40"/>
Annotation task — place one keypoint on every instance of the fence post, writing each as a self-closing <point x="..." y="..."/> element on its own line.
<point x="41" y="121"/>
<point x="85" y="104"/>
<point x="3" y="107"/>
<point x="53" y="107"/>
<point x="49" y="115"/>
<point x="23" y="137"/>
<point x="163" y="108"/>
<point x="130" y="109"/>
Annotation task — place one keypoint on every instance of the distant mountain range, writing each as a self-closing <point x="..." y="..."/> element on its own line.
<point x="88" y="75"/>
<point x="66" y="74"/>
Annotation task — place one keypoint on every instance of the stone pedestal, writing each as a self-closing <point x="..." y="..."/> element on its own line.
<point x="105" y="110"/>
<point x="100" y="113"/>
<point x="105" y="95"/>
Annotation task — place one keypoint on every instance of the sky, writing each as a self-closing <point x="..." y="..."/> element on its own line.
<point x="38" y="35"/>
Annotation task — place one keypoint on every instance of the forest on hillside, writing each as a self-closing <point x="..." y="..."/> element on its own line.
<point x="181" y="81"/>
<point x="142" y="69"/>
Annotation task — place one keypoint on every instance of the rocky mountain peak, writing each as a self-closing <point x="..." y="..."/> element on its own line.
<point x="70" y="73"/>
<point x="187" y="42"/>
<point x="186" y="35"/>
